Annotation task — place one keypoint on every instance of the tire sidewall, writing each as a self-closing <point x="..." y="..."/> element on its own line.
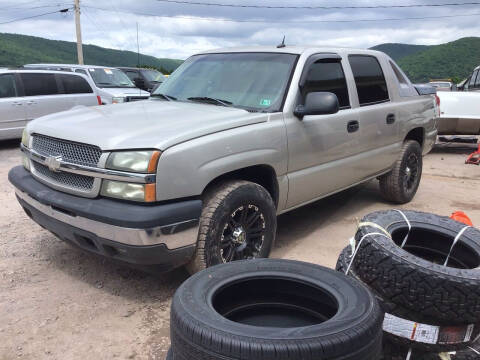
<point x="412" y="147"/>
<point x="244" y="195"/>
<point x="356" y="304"/>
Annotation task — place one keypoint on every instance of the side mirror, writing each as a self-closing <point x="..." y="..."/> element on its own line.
<point x="318" y="103"/>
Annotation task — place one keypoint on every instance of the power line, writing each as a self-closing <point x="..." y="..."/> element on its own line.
<point x="317" y="7"/>
<point x="36" y="7"/>
<point x="289" y="21"/>
<point x="35" y="16"/>
<point x="24" y="5"/>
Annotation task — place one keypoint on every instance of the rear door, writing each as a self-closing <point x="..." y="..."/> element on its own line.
<point x="42" y="94"/>
<point x="76" y="90"/>
<point x="13" y="116"/>
<point x="377" y="145"/>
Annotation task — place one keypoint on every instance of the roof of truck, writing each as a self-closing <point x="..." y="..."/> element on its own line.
<point x="294" y="50"/>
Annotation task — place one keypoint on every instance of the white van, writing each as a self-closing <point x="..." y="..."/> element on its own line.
<point x="28" y="94"/>
<point x="111" y="84"/>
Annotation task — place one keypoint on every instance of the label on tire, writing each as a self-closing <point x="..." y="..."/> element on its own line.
<point x="427" y="334"/>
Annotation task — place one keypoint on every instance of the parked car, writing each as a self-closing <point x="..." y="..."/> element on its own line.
<point x="197" y="174"/>
<point x="145" y="79"/>
<point x="111" y="84"/>
<point x="29" y="94"/>
<point x="460" y="111"/>
<point x="442" y="85"/>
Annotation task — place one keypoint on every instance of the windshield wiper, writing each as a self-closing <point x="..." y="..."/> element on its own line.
<point x="210" y="100"/>
<point x="166" y="97"/>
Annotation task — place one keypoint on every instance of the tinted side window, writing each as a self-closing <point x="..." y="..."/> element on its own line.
<point x="75" y="84"/>
<point x="132" y="75"/>
<point x="369" y="78"/>
<point x="328" y="76"/>
<point x="39" y="84"/>
<point x="7" y="86"/>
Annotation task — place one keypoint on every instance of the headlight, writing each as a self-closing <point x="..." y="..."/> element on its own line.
<point x="118" y="100"/>
<point x="127" y="191"/>
<point x="25" y="162"/>
<point x="25" y="138"/>
<point x="134" y="161"/>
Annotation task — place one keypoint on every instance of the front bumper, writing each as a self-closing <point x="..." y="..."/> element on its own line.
<point x="162" y="235"/>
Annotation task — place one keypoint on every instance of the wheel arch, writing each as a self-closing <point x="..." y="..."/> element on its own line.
<point x="417" y="134"/>
<point x="263" y="175"/>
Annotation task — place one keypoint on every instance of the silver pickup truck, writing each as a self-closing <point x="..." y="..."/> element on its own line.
<point x="197" y="174"/>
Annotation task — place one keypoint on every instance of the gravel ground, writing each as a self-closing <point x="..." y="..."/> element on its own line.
<point x="57" y="302"/>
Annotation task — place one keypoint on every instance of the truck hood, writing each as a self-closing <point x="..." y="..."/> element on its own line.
<point x="156" y="124"/>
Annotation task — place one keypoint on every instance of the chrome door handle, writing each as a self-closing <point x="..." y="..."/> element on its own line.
<point x="353" y="126"/>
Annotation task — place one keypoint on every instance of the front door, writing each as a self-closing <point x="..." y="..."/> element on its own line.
<point x="321" y="147"/>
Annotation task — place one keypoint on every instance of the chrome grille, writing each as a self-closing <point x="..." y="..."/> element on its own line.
<point x="64" y="179"/>
<point x="76" y="153"/>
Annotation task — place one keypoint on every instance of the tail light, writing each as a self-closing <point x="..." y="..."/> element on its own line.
<point x="99" y="99"/>
<point x="437" y="102"/>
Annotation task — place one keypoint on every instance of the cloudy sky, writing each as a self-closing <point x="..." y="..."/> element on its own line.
<point x="169" y="29"/>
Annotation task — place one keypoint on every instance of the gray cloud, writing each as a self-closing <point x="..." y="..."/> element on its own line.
<point x="180" y="37"/>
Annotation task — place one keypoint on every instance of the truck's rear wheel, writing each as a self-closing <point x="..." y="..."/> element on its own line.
<point x="238" y="222"/>
<point x="401" y="184"/>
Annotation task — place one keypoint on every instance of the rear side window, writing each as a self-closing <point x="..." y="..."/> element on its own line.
<point x="39" y="84"/>
<point x="329" y="77"/>
<point x="7" y="86"/>
<point x="75" y="84"/>
<point x="369" y="78"/>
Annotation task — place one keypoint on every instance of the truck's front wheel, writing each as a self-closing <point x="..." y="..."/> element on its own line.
<point x="238" y="222"/>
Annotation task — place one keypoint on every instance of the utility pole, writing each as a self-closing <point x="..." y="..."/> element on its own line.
<point x="138" y="49"/>
<point x="79" y="33"/>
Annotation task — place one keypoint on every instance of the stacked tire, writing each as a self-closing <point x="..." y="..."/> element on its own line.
<point x="268" y="309"/>
<point x="429" y="288"/>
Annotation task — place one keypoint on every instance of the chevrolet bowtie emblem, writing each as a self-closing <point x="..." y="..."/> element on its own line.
<point x="53" y="163"/>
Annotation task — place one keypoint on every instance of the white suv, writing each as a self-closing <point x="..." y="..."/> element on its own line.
<point x="111" y="84"/>
<point x="28" y="94"/>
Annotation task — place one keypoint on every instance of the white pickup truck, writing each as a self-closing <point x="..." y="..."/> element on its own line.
<point x="460" y="110"/>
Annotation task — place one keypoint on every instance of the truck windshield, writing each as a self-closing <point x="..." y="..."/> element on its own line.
<point x="105" y="77"/>
<point x="253" y="81"/>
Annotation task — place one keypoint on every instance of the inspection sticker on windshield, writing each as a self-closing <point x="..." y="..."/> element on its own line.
<point x="265" y="102"/>
<point x="108" y="71"/>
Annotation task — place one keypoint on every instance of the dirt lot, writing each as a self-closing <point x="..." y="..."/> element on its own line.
<point x="57" y="302"/>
